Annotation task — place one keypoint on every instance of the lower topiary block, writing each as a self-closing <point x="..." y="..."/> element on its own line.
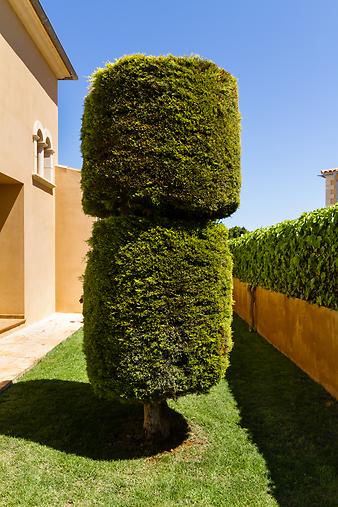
<point x="157" y="308"/>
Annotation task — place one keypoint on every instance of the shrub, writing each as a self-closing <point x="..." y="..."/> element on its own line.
<point x="161" y="135"/>
<point x="157" y="307"/>
<point x="237" y="231"/>
<point x="296" y="257"/>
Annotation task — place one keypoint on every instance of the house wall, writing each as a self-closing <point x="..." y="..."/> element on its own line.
<point x="304" y="332"/>
<point x="73" y="229"/>
<point x="28" y="92"/>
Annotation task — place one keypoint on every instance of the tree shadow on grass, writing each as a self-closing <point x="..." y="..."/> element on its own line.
<point x="292" y="420"/>
<point x="67" y="416"/>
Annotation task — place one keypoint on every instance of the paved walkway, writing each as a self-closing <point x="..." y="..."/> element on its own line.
<point x="21" y="349"/>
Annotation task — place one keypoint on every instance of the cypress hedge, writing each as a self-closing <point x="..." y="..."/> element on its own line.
<point x="161" y="135"/>
<point x="296" y="257"/>
<point x="157" y="307"/>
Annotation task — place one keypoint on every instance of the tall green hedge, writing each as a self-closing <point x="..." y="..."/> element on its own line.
<point x="157" y="307"/>
<point x="161" y="135"/>
<point x="296" y="257"/>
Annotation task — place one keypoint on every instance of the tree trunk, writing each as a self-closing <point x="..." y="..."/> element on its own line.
<point x="155" y="423"/>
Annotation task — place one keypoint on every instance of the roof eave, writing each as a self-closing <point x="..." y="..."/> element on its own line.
<point x="37" y="24"/>
<point x="328" y="172"/>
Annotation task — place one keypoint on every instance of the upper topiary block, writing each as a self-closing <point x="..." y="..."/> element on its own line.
<point x="161" y="135"/>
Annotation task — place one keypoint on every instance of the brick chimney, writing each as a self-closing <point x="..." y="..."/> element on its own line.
<point x="331" y="185"/>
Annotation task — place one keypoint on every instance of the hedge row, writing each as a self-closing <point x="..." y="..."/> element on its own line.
<point x="161" y="135"/>
<point x="157" y="307"/>
<point x="296" y="257"/>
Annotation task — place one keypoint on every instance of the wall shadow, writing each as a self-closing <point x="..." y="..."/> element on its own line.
<point x="8" y="196"/>
<point x="12" y="282"/>
<point x="290" y="418"/>
<point x="67" y="416"/>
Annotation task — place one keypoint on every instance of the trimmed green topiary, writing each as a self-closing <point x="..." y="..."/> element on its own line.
<point x="157" y="307"/>
<point x="161" y="150"/>
<point x="161" y="135"/>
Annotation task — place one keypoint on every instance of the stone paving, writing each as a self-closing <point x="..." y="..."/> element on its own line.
<point x="21" y="349"/>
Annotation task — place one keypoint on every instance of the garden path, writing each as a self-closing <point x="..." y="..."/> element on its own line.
<point x="21" y="349"/>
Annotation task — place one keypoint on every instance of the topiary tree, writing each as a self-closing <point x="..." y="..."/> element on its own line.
<point x="160" y="143"/>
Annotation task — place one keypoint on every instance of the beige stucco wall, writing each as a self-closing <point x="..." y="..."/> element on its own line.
<point x="306" y="333"/>
<point x="28" y="92"/>
<point x="73" y="229"/>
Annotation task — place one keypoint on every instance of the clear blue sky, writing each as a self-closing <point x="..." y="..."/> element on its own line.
<point x="284" y="55"/>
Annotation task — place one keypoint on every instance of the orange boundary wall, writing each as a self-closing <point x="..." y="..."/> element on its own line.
<point x="306" y="333"/>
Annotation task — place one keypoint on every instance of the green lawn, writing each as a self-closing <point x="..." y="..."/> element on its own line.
<point x="266" y="437"/>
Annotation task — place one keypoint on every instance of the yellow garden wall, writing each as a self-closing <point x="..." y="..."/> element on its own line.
<point x="73" y="229"/>
<point x="306" y="333"/>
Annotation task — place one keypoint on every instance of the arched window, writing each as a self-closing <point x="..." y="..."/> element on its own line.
<point x="43" y="153"/>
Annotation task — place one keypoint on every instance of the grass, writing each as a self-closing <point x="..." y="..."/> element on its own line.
<point x="266" y="437"/>
<point x="291" y="419"/>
